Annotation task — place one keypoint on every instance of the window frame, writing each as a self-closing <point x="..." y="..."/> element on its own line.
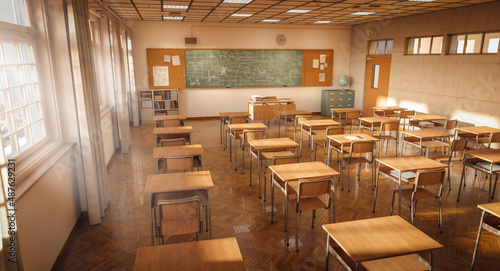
<point x="419" y="47"/>
<point x="481" y="46"/>
<point x="386" y="42"/>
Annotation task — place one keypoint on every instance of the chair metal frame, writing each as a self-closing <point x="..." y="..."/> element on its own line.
<point x="324" y="144"/>
<point x="388" y="126"/>
<point x="457" y="145"/>
<point x="245" y="136"/>
<point x="358" y="160"/>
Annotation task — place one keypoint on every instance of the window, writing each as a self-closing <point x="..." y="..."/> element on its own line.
<point x="474" y="43"/>
<point x="424" y="45"/>
<point x="14" y="12"/>
<point x="380" y="47"/>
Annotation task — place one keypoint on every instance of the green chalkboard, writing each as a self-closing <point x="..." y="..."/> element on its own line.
<point x="243" y="68"/>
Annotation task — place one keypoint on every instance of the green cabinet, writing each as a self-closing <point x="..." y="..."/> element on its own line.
<point x="336" y="98"/>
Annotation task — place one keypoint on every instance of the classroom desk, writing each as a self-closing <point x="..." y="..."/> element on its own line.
<point x="267" y="109"/>
<point x="267" y="149"/>
<point x="293" y="172"/>
<point x="309" y="126"/>
<point x="158" y="118"/>
<point x="341" y="113"/>
<point x="423" y="139"/>
<point x="385" y="109"/>
<point x="489" y="223"/>
<point x="224" y="116"/>
<point x="173" y="132"/>
<point x="208" y="255"/>
<point x="370" y="123"/>
<point x="289" y="114"/>
<point x="360" y="241"/>
<point x="477" y="131"/>
<point x="484" y="160"/>
<point x="400" y="165"/>
<point x="340" y="143"/>
<point x="195" y="150"/>
<point x="177" y="182"/>
<point x="237" y="128"/>
<point x="428" y="120"/>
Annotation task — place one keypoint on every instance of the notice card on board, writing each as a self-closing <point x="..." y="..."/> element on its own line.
<point x="315" y="63"/>
<point x="160" y="76"/>
<point x="322" y="77"/>
<point x="176" y="61"/>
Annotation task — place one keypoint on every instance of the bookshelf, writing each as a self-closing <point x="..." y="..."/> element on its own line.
<point x="157" y="102"/>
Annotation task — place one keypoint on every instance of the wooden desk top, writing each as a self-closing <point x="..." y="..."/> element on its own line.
<point x="378" y="238"/>
<point x="293" y="172"/>
<point x="377" y="119"/>
<point x="247" y="126"/>
<point x="172" y="130"/>
<point x="479" y="130"/>
<point x="428" y="117"/>
<point x="320" y="122"/>
<point x="267" y="101"/>
<point x="178" y="151"/>
<point x="233" y="114"/>
<point x="490" y="155"/>
<point x="427" y="133"/>
<point x="387" y="108"/>
<point x="492" y="208"/>
<point x="288" y="113"/>
<point x="345" y="110"/>
<point x="174" y="182"/>
<point x="410" y="163"/>
<point x="273" y="143"/>
<point x="169" y="117"/>
<point x="349" y="138"/>
<point x="215" y="254"/>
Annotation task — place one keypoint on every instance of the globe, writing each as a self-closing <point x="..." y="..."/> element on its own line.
<point x="343" y="80"/>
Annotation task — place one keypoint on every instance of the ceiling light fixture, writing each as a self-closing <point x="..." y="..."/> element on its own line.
<point x="237" y="1"/>
<point x="172" y="18"/>
<point x="299" y="10"/>
<point x="363" y="13"/>
<point x="174" y="7"/>
<point x="241" y="15"/>
<point x="270" y="20"/>
<point x="422" y="0"/>
<point x="322" y="22"/>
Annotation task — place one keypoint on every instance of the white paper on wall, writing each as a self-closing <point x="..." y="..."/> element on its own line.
<point x="160" y="76"/>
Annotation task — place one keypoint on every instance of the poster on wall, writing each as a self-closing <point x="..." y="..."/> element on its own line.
<point x="160" y="76"/>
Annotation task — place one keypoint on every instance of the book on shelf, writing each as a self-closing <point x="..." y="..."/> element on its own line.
<point x="172" y="112"/>
<point x="173" y="95"/>
<point x="159" y="105"/>
<point x="406" y="176"/>
<point x="158" y="97"/>
<point x="147" y="104"/>
<point x="145" y="94"/>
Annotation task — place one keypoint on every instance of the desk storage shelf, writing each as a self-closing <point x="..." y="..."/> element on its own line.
<point x="336" y="98"/>
<point x="158" y="102"/>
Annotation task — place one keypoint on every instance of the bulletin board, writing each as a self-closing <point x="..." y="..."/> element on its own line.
<point x="311" y="74"/>
<point x="176" y="73"/>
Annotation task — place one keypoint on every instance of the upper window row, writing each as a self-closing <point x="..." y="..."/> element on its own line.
<point x="14" y="12"/>
<point x="476" y="43"/>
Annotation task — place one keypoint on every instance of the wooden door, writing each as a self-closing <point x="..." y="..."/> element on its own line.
<point x="378" y="71"/>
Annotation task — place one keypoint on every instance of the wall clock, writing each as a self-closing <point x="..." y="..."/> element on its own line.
<point x="280" y="39"/>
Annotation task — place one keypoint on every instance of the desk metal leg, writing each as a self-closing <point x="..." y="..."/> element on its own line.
<point x="220" y="130"/>
<point x="462" y="178"/>
<point x="209" y="215"/>
<point x="151" y="219"/>
<point x="376" y="187"/>
<point x="431" y="259"/>
<point x="327" y="252"/>
<point x="286" y="120"/>
<point x="477" y="241"/>
<point x="272" y="197"/>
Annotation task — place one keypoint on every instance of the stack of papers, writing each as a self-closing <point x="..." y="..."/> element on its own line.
<point x="355" y="137"/>
<point x="405" y="176"/>
<point x="487" y="166"/>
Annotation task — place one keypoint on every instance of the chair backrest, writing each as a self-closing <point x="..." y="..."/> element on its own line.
<point x="353" y="115"/>
<point x="494" y="138"/>
<point x="335" y="130"/>
<point x="172" y="142"/>
<point x="253" y="134"/>
<point x="282" y="160"/>
<point x="458" y="145"/>
<point x="389" y="126"/>
<point x="406" y="113"/>
<point x="300" y="118"/>
<point x="179" y="216"/>
<point x="182" y="163"/>
<point x="171" y="123"/>
<point x="450" y="124"/>
<point x="234" y="120"/>
<point x="363" y="147"/>
<point x="312" y="188"/>
<point x="429" y="177"/>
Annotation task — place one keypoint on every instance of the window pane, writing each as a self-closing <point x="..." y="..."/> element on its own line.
<point x="29" y="74"/>
<point x="20" y="118"/>
<point x="425" y="45"/>
<point x="14" y="12"/>
<point x="13" y="76"/>
<point x="26" y="53"/>
<point x="8" y="146"/>
<point x="4" y="101"/>
<point x="389" y="47"/>
<point x="376" y="69"/>
<point x="32" y="93"/>
<point x="373" y="48"/>
<point x="491" y="41"/>
<point x="10" y="53"/>
<point x="6" y="124"/>
<point x="437" y="45"/>
<point x="35" y="112"/>
<point x="3" y="80"/>
<point x="38" y="131"/>
<point x="24" y="138"/>
<point x="17" y="98"/>
<point x="473" y="43"/>
<point x="412" y="46"/>
<point x="457" y="43"/>
<point x="381" y="47"/>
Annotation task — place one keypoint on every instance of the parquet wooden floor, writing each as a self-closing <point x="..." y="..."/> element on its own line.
<point x="237" y="211"/>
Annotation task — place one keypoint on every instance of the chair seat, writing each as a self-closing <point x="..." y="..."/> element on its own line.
<point x="357" y="160"/>
<point x="445" y="158"/>
<point x="307" y="204"/>
<point x="269" y="155"/>
<point x="411" y="139"/>
<point x="421" y="193"/>
<point x="180" y="226"/>
<point x="406" y="262"/>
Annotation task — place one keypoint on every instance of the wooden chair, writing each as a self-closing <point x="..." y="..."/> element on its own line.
<point x="280" y="160"/>
<point x="352" y="118"/>
<point x="245" y="136"/>
<point x="175" y="164"/>
<point x="424" y="178"/>
<point x="388" y="131"/>
<point x="311" y="195"/>
<point x="456" y="154"/>
<point x="293" y="120"/>
<point x="298" y="123"/>
<point x="405" y="115"/>
<point x="232" y="120"/>
<point x="324" y="144"/>
<point x="171" y="122"/>
<point x="487" y="141"/>
<point x="357" y="155"/>
<point x="172" y="142"/>
<point x="180" y="216"/>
